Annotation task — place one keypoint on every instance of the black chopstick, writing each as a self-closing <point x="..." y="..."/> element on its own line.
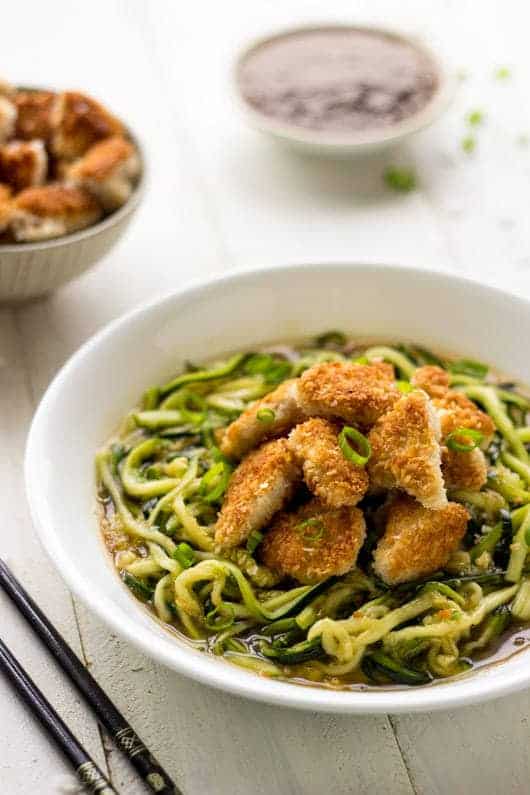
<point x="106" y="712"/>
<point x="85" y="768"/>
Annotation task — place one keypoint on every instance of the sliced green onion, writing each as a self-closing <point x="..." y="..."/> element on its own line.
<point x="402" y="180"/>
<point x="475" y="438"/>
<point x="313" y="535"/>
<point x="266" y="415"/>
<point x="475" y="117"/>
<point x="365" y="451"/>
<point x="221" y="617"/>
<point x="404" y="386"/>
<point x="253" y="541"/>
<point x="214" y="483"/>
<point x="184" y="555"/>
<point x="361" y="360"/>
<point x="469" y="367"/>
<point x="336" y="338"/>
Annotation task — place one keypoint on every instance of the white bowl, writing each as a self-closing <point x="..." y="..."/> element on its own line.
<point x="349" y="145"/>
<point x="106" y="376"/>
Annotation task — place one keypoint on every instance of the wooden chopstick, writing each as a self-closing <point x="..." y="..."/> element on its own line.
<point x="106" y="712"/>
<point x="85" y="768"/>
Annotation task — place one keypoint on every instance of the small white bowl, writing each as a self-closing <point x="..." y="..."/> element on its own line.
<point x="232" y="313"/>
<point x="348" y="145"/>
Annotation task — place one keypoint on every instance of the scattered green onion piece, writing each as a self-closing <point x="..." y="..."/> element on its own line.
<point x="475" y="117"/>
<point x="253" y="541"/>
<point x="358" y="458"/>
<point x="221" y="617"/>
<point x="184" y="555"/>
<point x="266" y="415"/>
<point x="316" y="534"/>
<point x="502" y="73"/>
<point x="475" y="439"/>
<point x="402" y="180"/>
<point x="469" y="367"/>
<point x="404" y="386"/>
<point x="214" y="482"/>
<point x="361" y="360"/>
<point x="469" y="143"/>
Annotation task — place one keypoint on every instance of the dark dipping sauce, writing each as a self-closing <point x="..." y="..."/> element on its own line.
<point x="338" y="80"/>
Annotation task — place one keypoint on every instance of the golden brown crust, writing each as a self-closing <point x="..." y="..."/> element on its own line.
<point x="327" y="473"/>
<point x="6" y="207"/>
<point x="458" y="411"/>
<point x="80" y="121"/>
<point x="406" y="453"/>
<point x="464" y="470"/>
<point x="5" y="192"/>
<point x="8" y="118"/>
<point x="313" y="552"/>
<point x="55" y="200"/>
<point x="432" y="379"/>
<point x="23" y="164"/>
<point x="102" y="159"/>
<point x="259" y="487"/>
<point x="417" y="542"/>
<point x="35" y="117"/>
<point x="356" y="393"/>
<point x="247" y="431"/>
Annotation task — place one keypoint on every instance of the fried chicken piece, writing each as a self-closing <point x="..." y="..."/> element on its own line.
<point x="23" y="164"/>
<point x="417" y="542"/>
<point x="8" y="118"/>
<point x="356" y="393"/>
<point x="248" y="430"/>
<point x="51" y="211"/>
<point x="6" y="207"/>
<point x="315" y="542"/>
<point x="36" y="116"/>
<point x="432" y="379"/>
<point x="6" y="89"/>
<point x="327" y="473"/>
<point x="458" y="411"/>
<point x="464" y="470"/>
<point x="79" y="121"/>
<point x="107" y="170"/>
<point x="259" y="487"/>
<point x="405" y="451"/>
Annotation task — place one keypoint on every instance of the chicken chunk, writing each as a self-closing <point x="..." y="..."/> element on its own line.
<point x="51" y="211"/>
<point x="23" y="164"/>
<point x="406" y="452"/>
<point x="259" y="488"/>
<point x="458" y="411"/>
<point x="315" y="542"/>
<point x="6" y="207"/>
<point x="356" y="393"/>
<point x="417" y="542"/>
<point x="249" y="430"/>
<point x="464" y="470"/>
<point x="35" y="114"/>
<point x="327" y="473"/>
<point x="8" y="118"/>
<point x="432" y="379"/>
<point x="107" y="170"/>
<point x="79" y="121"/>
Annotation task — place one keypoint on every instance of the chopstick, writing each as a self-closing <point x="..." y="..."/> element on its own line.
<point x="106" y="712"/>
<point x="85" y="768"/>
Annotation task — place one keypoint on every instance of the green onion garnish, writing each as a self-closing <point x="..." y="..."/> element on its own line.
<point x="365" y="451"/>
<point x="254" y="540"/>
<point x="335" y="338"/>
<point x="266" y="415"/>
<point x="468" y="144"/>
<point x="361" y="360"/>
<point x="469" y="367"/>
<point x="474" y="437"/>
<point x="401" y="179"/>
<point x="502" y="73"/>
<point x="220" y="617"/>
<point x="184" y="555"/>
<point x="404" y="386"/>
<point x="214" y="483"/>
<point x="313" y="535"/>
<point x="475" y="117"/>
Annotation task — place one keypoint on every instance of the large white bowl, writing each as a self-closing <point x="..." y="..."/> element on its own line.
<point x="104" y="378"/>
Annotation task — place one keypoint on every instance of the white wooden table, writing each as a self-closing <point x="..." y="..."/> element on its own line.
<point x="221" y="197"/>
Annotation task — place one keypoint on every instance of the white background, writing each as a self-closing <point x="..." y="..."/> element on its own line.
<point x="221" y="197"/>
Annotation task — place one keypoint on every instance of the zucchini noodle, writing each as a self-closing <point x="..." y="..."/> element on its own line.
<point x="162" y="481"/>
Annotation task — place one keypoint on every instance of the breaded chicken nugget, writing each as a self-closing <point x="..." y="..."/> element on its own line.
<point x="314" y="542"/>
<point x="417" y="542"/>
<point x="8" y="118"/>
<point x="249" y="430"/>
<point x="328" y="474"/>
<point x="432" y="379"/>
<point x="35" y="117"/>
<point x="260" y="486"/>
<point x="356" y="393"/>
<point x="6" y="207"/>
<point x="51" y="211"/>
<point x="23" y="164"/>
<point x="79" y="121"/>
<point x="458" y="411"/>
<point x="107" y="170"/>
<point x="406" y="453"/>
<point x="464" y="470"/>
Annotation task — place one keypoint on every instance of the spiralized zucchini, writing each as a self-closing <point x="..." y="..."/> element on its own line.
<point x="161" y="483"/>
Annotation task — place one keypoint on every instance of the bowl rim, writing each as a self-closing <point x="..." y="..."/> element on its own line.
<point x="109" y="220"/>
<point x="438" y="103"/>
<point x="216" y="672"/>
